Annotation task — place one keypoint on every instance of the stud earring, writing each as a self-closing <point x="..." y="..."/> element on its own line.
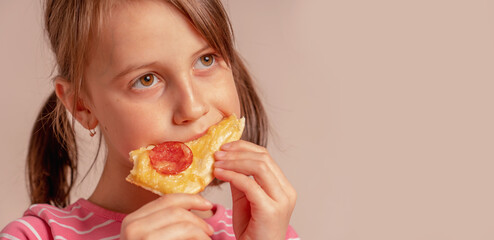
<point x="92" y="132"/>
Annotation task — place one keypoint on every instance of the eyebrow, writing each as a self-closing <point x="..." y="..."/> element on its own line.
<point x="131" y="68"/>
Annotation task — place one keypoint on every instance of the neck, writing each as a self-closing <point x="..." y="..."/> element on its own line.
<point x="114" y="193"/>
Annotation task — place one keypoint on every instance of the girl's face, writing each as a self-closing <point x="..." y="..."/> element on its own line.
<point x="152" y="78"/>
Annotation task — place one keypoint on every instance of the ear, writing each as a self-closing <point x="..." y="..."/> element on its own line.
<point x="80" y="110"/>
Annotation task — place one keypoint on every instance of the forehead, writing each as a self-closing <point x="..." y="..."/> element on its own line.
<point x="138" y="31"/>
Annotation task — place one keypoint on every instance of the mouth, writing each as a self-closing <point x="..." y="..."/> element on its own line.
<point x="197" y="136"/>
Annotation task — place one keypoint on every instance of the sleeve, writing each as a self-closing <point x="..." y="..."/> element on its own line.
<point x="291" y="234"/>
<point x="28" y="227"/>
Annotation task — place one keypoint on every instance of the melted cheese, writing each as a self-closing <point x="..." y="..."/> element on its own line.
<point x="199" y="174"/>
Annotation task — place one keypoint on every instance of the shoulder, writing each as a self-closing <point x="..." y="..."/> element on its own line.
<point x="27" y="227"/>
<point x="35" y="224"/>
<point x="81" y="220"/>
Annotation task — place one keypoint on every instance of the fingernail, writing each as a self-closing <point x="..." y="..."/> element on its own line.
<point x="220" y="154"/>
<point x="226" y="146"/>
<point x="211" y="228"/>
<point x="218" y="163"/>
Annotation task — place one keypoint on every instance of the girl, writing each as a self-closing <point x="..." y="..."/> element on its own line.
<point x="146" y="72"/>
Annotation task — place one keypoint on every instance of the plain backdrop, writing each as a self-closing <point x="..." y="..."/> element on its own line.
<point x="382" y="111"/>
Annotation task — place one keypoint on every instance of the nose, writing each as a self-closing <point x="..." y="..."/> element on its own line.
<point x="190" y="104"/>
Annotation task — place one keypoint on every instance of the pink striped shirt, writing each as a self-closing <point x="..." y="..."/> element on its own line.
<point x="85" y="220"/>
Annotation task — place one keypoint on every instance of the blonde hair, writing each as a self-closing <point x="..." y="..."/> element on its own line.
<point x="71" y="25"/>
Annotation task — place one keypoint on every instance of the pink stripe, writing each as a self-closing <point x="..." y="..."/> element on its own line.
<point x="89" y="221"/>
<point x="53" y="208"/>
<point x="225" y="232"/>
<point x="8" y="236"/>
<point x="79" y="231"/>
<point x="30" y="227"/>
<point x="76" y="216"/>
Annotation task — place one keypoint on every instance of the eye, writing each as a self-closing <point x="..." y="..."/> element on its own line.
<point x="145" y="81"/>
<point x="204" y="61"/>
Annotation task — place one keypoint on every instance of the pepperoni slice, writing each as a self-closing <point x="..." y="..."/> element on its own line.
<point x="170" y="157"/>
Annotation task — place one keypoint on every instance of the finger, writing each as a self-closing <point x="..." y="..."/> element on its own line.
<point x="253" y="192"/>
<point x="263" y="157"/>
<point x="181" y="230"/>
<point x="243" y="146"/>
<point x="170" y="216"/>
<point x="261" y="172"/>
<point x="185" y="201"/>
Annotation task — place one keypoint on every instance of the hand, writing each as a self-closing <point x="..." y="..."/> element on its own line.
<point x="262" y="205"/>
<point x="168" y="217"/>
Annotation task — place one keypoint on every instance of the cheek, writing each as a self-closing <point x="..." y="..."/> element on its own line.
<point x="121" y="130"/>
<point x="227" y="97"/>
<point x="127" y="126"/>
<point x="235" y="101"/>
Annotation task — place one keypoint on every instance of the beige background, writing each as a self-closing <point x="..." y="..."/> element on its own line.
<point x="383" y="111"/>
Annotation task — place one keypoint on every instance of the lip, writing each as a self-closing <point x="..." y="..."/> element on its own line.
<point x="203" y="132"/>
<point x="197" y="136"/>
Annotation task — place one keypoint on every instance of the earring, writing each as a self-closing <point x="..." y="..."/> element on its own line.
<point x="92" y="132"/>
